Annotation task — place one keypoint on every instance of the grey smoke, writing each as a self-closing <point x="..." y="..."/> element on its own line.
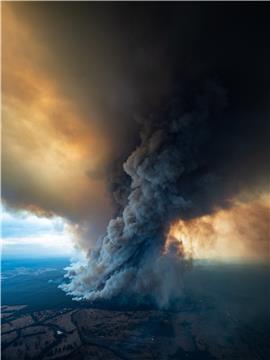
<point x="184" y="167"/>
<point x="165" y="170"/>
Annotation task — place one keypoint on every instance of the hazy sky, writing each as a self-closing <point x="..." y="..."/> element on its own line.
<point x="77" y="77"/>
<point x="27" y="235"/>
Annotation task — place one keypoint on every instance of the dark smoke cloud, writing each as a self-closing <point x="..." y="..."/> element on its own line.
<point x="181" y="169"/>
<point x="115" y="62"/>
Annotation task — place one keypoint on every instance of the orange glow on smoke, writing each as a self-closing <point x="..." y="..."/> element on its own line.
<point x="49" y="145"/>
<point x="241" y="231"/>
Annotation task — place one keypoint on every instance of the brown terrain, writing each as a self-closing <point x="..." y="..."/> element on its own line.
<point x="86" y="333"/>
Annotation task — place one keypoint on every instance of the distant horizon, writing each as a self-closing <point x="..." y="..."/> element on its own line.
<point x="203" y="261"/>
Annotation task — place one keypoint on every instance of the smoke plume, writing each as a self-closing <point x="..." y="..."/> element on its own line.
<point x="180" y="170"/>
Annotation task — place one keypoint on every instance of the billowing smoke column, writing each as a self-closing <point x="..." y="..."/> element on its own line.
<point x="175" y="173"/>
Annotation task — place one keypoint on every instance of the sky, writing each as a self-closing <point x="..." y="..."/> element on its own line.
<point x="25" y="235"/>
<point x="79" y="80"/>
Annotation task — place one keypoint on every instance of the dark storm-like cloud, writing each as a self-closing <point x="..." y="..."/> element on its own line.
<point x="115" y="62"/>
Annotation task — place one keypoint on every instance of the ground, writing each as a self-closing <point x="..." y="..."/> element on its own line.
<point x="109" y="334"/>
<point x="227" y="317"/>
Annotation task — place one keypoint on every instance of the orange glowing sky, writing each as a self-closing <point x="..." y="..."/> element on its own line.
<point x="240" y="232"/>
<point x="49" y="146"/>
